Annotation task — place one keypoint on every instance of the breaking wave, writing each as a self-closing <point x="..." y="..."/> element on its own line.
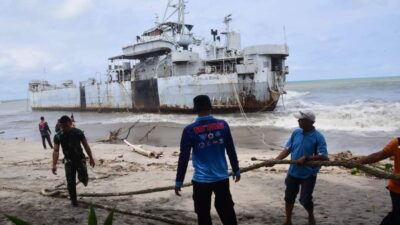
<point x="360" y="115"/>
<point x="364" y="115"/>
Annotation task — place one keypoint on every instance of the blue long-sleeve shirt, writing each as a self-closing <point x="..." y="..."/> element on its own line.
<point x="208" y="137"/>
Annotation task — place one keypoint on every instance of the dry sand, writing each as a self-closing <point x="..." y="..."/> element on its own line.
<point x="340" y="198"/>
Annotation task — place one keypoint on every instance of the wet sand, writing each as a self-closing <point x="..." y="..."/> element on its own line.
<point x="267" y="138"/>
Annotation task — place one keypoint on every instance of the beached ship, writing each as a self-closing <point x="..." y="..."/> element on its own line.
<point x="168" y="66"/>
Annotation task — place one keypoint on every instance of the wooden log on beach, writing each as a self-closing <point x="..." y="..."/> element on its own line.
<point x="347" y="164"/>
<point x="144" y="152"/>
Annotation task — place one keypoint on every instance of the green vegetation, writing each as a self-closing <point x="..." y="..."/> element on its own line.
<point x="388" y="167"/>
<point x="355" y="172"/>
<point x="16" y="221"/>
<point x="92" y="219"/>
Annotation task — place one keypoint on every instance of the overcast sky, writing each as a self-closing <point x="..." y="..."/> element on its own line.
<point x="71" y="39"/>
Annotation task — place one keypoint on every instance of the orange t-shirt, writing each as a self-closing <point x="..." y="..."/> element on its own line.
<point x="393" y="149"/>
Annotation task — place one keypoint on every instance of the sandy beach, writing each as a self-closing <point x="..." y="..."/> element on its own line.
<point x="340" y="198"/>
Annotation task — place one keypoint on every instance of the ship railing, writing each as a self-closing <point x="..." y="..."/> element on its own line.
<point x="144" y="39"/>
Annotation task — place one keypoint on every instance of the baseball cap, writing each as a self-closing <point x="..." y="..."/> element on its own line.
<point x="305" y="114"/>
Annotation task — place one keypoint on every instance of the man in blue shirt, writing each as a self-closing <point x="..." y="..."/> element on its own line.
<point x="305" y="144"/>
<point x="208" y="137"/>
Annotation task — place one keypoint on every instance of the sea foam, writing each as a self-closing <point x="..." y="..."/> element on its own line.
<point x="364" y="115"/>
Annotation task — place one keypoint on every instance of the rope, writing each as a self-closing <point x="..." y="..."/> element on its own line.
<point x="245" y="116"/>
<point x="125" y="212"/>
<point x="242" y="112"/>
<point x="144" y="191"/>
<point x="346" y="164"/>
<point x="139" y="214"/>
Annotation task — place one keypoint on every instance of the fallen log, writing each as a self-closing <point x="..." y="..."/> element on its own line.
<point x="144" y="152"/>
<point x="345" y="163"/>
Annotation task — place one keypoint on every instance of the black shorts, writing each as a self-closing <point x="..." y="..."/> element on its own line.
<point x="307" y="185"/>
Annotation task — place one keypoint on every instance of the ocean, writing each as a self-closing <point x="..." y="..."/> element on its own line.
<point x="361" y="113"/>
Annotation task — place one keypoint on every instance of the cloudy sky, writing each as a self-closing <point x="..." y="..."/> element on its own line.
<point x="71" y="39"/>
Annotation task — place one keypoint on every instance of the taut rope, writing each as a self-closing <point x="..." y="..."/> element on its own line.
<point x="346" y="164"/>
<point x="59" y="194"/>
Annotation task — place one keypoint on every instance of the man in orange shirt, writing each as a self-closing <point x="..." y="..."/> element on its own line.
<point x="391" y="149"/>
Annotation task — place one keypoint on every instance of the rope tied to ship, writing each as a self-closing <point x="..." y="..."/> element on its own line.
<point x="243" y="113"/>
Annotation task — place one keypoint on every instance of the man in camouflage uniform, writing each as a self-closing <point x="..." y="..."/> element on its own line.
<point x="70" y="139"/>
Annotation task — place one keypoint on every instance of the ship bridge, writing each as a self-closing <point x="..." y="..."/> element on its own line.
<point x="146" y="49"/>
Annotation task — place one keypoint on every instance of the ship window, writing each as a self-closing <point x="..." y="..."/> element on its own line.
<point x="276" y="64"/>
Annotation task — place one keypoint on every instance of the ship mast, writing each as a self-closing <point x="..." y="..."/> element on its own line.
<point x="177" y="7"/>
<point x="181" y="13"/>
<point x="227" y="20"/>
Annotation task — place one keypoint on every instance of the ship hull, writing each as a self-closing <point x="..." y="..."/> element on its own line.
<point x="228" y="92"/>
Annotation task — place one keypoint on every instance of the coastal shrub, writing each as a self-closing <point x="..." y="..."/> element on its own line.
<point x="16" y="220"/>
<point x="388" y="167"/>
<point x="92" y="219"/>
<point x="355" y="172"/>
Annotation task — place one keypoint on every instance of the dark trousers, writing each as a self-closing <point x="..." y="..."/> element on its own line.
<point x="44" y="138"/>
<point x="393" y="218"/>
<point x="223" y="202"/>
<point x="71" y="169"/>
<point x="307" y="185"/>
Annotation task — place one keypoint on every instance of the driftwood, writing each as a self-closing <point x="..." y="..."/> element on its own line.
<point x="147" y="134"/>
<point x="144" y="152"/>
<point x="115" y="134"/>
<point x="347" y="164"/>
<point x="129" y="130"/>
<point x="112" y="137"/>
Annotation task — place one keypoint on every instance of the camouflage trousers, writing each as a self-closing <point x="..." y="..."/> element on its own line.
<point x="71" y="169"/>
